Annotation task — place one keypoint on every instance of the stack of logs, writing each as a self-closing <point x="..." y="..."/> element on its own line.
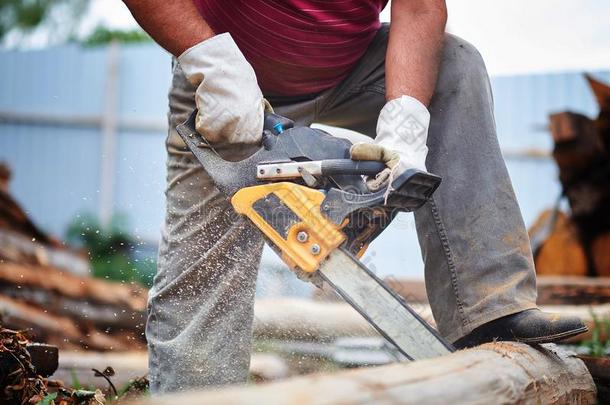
<point x="578" y="244"/>
<point x="46" y="290"/>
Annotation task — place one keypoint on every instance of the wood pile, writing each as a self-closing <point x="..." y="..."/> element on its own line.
<point x="578" y="244"/>
<point x="46" y="290"/>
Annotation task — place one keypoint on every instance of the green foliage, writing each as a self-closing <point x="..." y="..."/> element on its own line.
<point x="26" y="15"/>
<point x="75" y="381"/>
<point x="598" y="346"/>
<point x="112" y="250"/>
<point x="61" y="19"/>
<point x="103" y="35"/>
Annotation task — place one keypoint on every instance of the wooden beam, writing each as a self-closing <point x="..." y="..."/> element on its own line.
<point x="492" y="373"/>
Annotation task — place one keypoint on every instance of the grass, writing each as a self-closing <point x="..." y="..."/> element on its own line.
<point x="600" y="336"/>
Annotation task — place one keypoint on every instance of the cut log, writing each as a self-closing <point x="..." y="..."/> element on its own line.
<point x="496" y="373"/>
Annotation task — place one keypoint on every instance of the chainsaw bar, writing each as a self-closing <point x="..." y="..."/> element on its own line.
<point x="387" y="312"/>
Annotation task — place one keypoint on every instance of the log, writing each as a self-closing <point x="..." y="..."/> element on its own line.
<point x="493" y="373"/>
<point x="134" y="364"/>
<point x="581" y="152"/>
<point x="302" y="319"/>
<point x="13" y="217"/>
<point x="127" y="296"/>
<point x="21" y="249"/>
<point x="105" y="316"/>
<point x="556" y="290"/>
<point x="599" y="367"/>
<point x="602" y="94"/>
<point x="558" y="250"/>
<point x="62" y="331"/>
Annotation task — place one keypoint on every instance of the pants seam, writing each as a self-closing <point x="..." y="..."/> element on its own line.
<point x="440" y="229"/>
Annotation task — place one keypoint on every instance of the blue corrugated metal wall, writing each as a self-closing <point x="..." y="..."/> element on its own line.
<point x="57" y="167"/>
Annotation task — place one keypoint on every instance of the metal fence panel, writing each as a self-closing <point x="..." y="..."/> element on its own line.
<point x="52" y="117"/>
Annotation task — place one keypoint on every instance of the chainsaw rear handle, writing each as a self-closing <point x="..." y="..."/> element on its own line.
<point x="277" y="125"/>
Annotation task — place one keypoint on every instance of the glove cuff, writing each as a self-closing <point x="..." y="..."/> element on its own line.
<point x="203" y="56"/>
<point x="406" y="115"/>
<point x="403" y="126"/>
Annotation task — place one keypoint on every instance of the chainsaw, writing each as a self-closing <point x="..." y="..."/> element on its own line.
<point x="312" y="204"/>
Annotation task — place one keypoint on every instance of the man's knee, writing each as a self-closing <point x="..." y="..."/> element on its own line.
<point x="461" y="63"/>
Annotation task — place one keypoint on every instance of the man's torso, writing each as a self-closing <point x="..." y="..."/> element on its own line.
<point x="297" y="47"/>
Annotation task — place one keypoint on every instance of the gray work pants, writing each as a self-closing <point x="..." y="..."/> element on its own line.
<point x="478" y="263"/>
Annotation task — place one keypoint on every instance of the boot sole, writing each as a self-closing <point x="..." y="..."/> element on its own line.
<point x="553" y="338"/>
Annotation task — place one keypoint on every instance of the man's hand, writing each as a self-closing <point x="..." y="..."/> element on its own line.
<point x="231" y="105"/>
<point x="402" y="131"/>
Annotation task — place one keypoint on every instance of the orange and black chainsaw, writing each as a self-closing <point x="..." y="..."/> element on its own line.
<point x="311" y="202"/>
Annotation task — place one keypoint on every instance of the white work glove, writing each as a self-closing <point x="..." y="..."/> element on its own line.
<point x="231" y="105"/>
<point x="402" y="132"/>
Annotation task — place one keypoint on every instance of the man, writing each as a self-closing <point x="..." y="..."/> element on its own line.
<point x="331" y="62"/>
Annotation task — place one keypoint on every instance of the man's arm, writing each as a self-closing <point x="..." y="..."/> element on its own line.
<point x="415" y="46"/>
<point x="175" y="25"/>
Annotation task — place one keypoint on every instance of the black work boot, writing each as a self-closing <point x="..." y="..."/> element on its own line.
<point x="530" y="326"/>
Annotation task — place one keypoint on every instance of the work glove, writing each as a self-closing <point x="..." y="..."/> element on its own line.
<point x="230" y="102"/>
<point x="402" y="132"/>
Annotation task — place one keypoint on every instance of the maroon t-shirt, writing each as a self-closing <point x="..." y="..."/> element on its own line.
<point x="297" y="47"/>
